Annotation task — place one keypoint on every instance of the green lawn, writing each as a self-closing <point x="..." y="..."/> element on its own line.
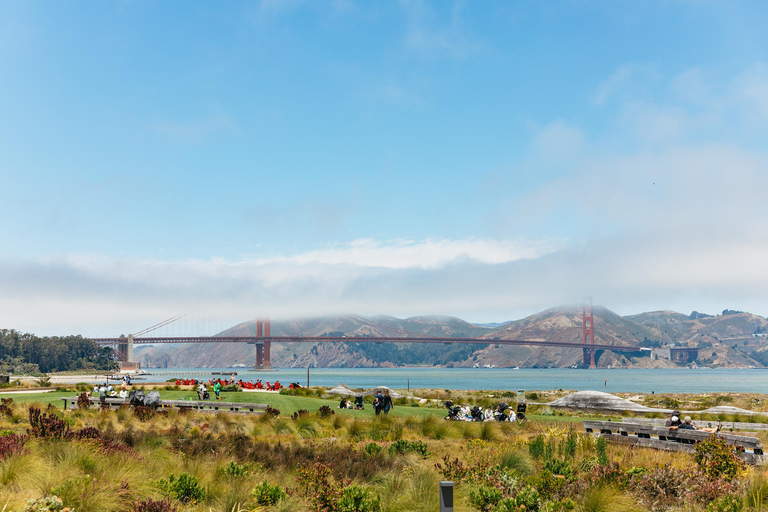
<point x="285" y="403"/>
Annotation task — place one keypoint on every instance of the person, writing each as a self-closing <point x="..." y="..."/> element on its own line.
<point x="673" y="423"/>
<point x="201" y="391"/>
<point x="378" y="402"/>
<point x="512" y="415"/>
<point x="217" y="389"/>
<point x="387" y="402"/>
<point x="606" y="381"/>
<point x="103" y="393"/>
<point x="359" y="402"/>
<point x="123" y="392"/>
<point x="488" y="413"/>
<point x="128" y="379"/>
<point x="343" y="403"/>
<point x="687" y="424"/>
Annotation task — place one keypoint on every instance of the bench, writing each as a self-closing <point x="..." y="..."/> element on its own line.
<point x="650" y="436"/>
<point x="198" y="405"/>
<point x="724" y="425"/>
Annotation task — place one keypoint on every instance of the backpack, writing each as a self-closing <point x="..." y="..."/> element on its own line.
<point x="152" y="399"/>
<point x="136" y="397"/>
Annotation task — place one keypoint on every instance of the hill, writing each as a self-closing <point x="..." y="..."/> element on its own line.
<point x="726" y="340"/>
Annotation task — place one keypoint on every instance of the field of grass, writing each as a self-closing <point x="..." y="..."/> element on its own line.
<point x="138" y="459"/>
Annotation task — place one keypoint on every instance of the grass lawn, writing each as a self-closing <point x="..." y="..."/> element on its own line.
<point x="285" y="403"/>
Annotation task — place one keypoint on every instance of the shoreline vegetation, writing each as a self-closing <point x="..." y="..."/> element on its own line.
<point x="305" y="454"/>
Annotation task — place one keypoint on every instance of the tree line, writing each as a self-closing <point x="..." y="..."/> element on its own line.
<point x="27" y="353"/>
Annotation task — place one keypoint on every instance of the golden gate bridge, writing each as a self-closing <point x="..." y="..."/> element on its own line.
<point x="262" y="339"/>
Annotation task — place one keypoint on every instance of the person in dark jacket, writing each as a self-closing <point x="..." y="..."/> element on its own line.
<point x="378" y="403"/>
<point x="387" y="402"/>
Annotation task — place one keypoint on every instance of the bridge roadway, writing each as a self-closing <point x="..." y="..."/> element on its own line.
<point x="345" y="339"/>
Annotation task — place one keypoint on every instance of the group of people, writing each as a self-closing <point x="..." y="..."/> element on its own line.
<point x="347" y="404"/>
<point x="106" y="390"/>
<point x="243" y="384"/>
<point x="675" y="423"/>
<point x="464" y="412"/>
<point x="202" y="390"/>
<point x="382" y="402"/>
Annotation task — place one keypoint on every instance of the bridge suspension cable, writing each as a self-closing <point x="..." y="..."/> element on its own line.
<point x="159" y="325"/>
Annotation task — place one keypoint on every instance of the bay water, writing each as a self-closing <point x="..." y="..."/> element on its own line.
<point x="609" y="380"/>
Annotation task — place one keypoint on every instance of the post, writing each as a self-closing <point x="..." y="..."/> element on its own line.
<point x="307" y="376"/>
<point x="409" y="386"/>
<point x="446" y="496"/>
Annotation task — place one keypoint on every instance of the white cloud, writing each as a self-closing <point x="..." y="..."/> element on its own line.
<point x="752" y="88"/>
<point x="557" y="141"/>
<point x="429" y="36"/>
<point x="627" y="76"/>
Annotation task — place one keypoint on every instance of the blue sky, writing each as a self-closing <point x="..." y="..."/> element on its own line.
<point x="291" y="158"/>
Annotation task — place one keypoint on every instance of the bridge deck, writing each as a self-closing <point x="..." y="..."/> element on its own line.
<point x="345" y="339"/>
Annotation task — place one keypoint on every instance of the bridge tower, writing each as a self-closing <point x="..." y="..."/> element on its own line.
<point x="588" y="332"/>
<point x="263" y="347"/>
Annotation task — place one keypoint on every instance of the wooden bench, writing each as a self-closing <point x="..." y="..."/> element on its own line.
<point x="650" y="436"/>
<point x="724" y="425"/>
<point x="198" y="405"/>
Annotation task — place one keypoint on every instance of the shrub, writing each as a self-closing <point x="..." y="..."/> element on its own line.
<point x="46" y="504"/>
<point x="402" y="447"/>
<point x="358" y="499"/>
<point x="536" y="447"/>
<point x="6" y="407"/>
<point x="729" y="503"/>
<point x="144" y="413"/>
<point x="484" y="498"/>
<point x="372" y="449"/>
<point x="267" y="494"/>
<point x="602" y="451"/>
<point x="662" y="486"/>
<point x="83" y="402"/>
<point x="46" y="426"/>
<point x="150" y="505"/>
<point x="325" y="411"/>
<point x="11" y="444"/>
<point x="235" y="470"/>
<point x="718" y="460"/>
<point x="298" y="414"/>
<point x="185" y="489"/>
<point x="319" y="486"/>
<point x="271" y="412"/>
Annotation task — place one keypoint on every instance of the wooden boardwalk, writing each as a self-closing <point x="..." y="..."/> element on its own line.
<point x="198" y="405"/>
<point x="649" y="436"/>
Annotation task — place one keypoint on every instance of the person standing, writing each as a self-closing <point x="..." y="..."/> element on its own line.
<point x="217" y="389"/>
<point x="378" y="402"/>
<point x="387" y="402"/>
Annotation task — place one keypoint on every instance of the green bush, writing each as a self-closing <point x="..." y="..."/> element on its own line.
<point x="602" y="451"/>
<point x="267" y="494"/>
<point x="372" y="449"/>
<point x="358" y="499"/>
<point x="536" y="447"/>
<point x="235" y="470"/>
<point x="728" y="503"/>
<point x="185" y="489"/>
<point x="401" y="446"/>
<point x="484" y="498"/>
<point x="718" y="460"/>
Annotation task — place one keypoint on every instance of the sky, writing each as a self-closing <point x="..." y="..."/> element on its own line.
<point x="292" y="158"/>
